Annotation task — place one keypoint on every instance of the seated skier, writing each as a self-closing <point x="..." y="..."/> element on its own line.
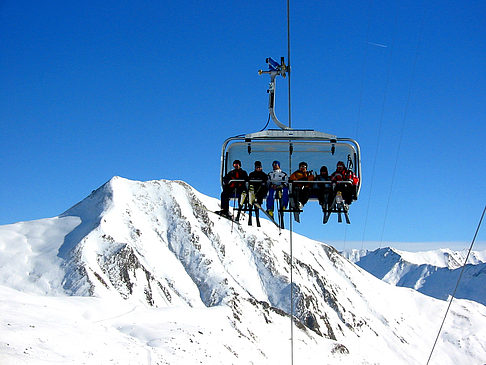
<point x="277" y="183"/>
<point x="301" y="191"/>
<point x="324" y="189"/>
<point x="344" y="183"/>
<point x="258" y="189"/>
<point x="232" y="189"/>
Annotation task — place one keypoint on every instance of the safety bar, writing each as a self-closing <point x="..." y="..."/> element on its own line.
<point x="296" y="181"/>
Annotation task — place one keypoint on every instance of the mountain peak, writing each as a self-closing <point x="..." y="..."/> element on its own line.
<point x="431" y="272"/>
<point x="158" y="244"/>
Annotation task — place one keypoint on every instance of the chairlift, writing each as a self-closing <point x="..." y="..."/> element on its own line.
<point x="291" y="146"/>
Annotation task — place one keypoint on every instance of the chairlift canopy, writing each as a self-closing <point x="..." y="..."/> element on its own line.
<point x="289" y="147"/>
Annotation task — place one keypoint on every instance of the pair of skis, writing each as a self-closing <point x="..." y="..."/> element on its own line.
<point x="339" y="206"/>
<point x="294" y="209"/>
<point x="252" y="202"/>
<point x="294" y="204"/>
<point x="249" y="201"/>
<point x="246" y="203"/>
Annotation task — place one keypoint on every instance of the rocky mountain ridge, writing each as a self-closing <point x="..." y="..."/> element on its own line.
<point x="434" y="273"/>
<point x="157" y="245"/>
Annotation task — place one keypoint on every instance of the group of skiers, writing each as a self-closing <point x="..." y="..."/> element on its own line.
<point x="258" y="185"/>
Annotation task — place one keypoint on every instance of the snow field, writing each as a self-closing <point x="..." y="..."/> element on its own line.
<point x="144" y="272"/>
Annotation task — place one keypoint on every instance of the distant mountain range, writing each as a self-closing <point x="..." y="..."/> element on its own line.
<point x="433" y="273"/>
<point x="145" y="272"/>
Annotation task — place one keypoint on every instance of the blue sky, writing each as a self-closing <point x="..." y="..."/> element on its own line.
<point x="150" y="90"/>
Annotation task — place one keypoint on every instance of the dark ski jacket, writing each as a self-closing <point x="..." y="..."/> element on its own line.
<point x="258" y="175"/>
<point x="235" y="174"/>
<point x="321" y="177"/>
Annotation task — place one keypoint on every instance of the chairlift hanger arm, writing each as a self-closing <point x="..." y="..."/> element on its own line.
<point x="274" y="70"/>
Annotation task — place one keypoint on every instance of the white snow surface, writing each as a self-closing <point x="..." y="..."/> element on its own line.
<point x="443" y="257"/>
<point x="434" y="273"/>
<point x="145" y="273"/>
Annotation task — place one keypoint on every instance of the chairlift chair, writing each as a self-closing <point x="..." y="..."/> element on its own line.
<point x="290" y="146"/>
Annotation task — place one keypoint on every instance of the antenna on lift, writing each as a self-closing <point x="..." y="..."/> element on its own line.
<point x="274" y="70"/>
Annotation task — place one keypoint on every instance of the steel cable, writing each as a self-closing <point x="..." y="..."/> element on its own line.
<point x="457" y="284"/>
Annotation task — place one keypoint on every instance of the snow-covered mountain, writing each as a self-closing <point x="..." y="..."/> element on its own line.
<point x="433" y="273"/>
<point x="144" y="272"/>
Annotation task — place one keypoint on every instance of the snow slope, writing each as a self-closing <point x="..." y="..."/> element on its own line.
<point x="433" y="273"/>
<point x="143" y="272"/>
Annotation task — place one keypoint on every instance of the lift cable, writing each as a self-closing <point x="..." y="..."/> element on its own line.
<point x="291" y="292"/>
<point x="457" y="284"/>
<point x="361" y="90"/>
<point x="402" y="128"/>
<point x="380" y="125"/>
<point x="288" y="57"/>
<point x="363" y="69"/>
<point x="290" y="215"/>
